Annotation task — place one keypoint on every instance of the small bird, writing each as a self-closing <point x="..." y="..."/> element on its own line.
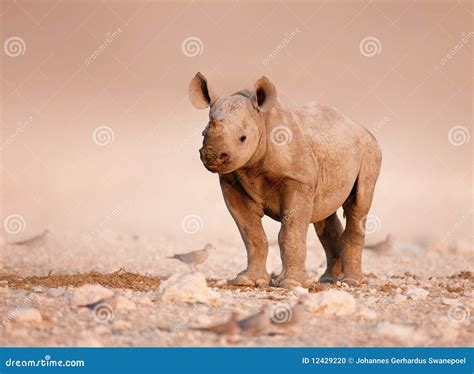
<point x="256" y="323"/>
<point x="384" y="246"/>
<point x="194" y="258"/>
<point x="291" y="318"/>
<point x="34" y="241"/>
<point x="230" y="327"/>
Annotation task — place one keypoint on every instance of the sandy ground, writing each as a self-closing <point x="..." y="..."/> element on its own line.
<point x="383" y="316"/>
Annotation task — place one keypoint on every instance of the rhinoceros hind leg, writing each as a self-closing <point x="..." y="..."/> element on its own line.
<point x="356" y="209"/>
<point x="329" y="232"/>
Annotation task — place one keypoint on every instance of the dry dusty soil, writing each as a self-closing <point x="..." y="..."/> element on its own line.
<point x="412" y="295"/>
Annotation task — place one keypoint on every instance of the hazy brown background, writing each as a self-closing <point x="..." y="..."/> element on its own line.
<point x="150" y="176"/>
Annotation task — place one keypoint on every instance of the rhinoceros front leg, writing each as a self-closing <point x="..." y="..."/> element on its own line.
<point x="249" y="223"/>
<point x="297" y="210"/>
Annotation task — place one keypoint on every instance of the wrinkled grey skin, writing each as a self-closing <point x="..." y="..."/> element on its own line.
<point x="297" y="166"/>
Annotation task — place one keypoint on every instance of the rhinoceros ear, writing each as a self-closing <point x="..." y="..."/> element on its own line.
<point x="199" y="94"/>
<point x="265" y="94"/>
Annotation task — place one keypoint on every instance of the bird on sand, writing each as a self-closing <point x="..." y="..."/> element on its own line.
<point x="256" y="323"/>
<point x="230" y="327"/>
<point x="34" y="241"/>
<point x="194" y="258"/>
<point x="384" y="246"/>
<point x="289" y="318"/>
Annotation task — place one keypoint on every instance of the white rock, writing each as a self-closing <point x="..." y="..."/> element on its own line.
<point x="401" y="333"/>
<point x="188" y="287"/>
<point x="417" y="293"/>
<point x="25" y="315"/>
<point x="37" y="289"/>
<point x="299" y="291"/>
<point x="447" y="301"/>
<point x="90" y="293"/>
<point x="331" y="302"/>
<point x="56" y="292"/>
<point x="367" y="313"/>
<point x="122" y="303"/>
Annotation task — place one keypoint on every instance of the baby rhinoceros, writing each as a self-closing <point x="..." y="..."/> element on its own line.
<point x="297" y="166"/>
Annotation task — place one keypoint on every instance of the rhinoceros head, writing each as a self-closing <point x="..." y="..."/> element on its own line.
<point x="236" y="123"/>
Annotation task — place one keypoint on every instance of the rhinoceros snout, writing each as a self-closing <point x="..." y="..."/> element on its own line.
<point x="212" y="158"/>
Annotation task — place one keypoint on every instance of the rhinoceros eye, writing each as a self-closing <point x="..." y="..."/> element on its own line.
<point x="242" y="138"/>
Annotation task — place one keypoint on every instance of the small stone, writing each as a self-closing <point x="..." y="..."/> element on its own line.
<point x="399" y="298"/>
<point x="417" y="293"/>
<point x="56" y="292"/>
<point x="188" y="287"/>
<point x="331" y="302"/>
<point x="469" y="293"/>
<point x="25" y="315"/>
<point x="90" y="293"/>
<point x="221" y="282"/>
<point x="372" y="291"/>
<point x="37" y="289"/>
<point x="299" y="291"/>
<point x="447" y="301"/>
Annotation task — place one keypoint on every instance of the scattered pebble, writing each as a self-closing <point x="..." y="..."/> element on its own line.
<point x="447" y="301"/>
<point x="188" y="287"/>
<point x="331" y="302"/>
<point x="417" y="293"/>
<point x="25" y="315"/>
<point x="400" y="298"/>
<point x="90" y="293"/>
